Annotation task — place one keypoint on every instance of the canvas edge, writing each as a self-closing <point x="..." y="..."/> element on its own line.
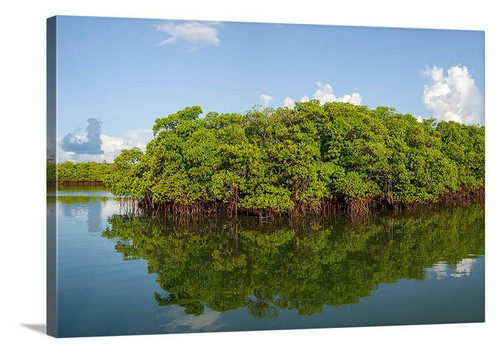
<point x="51" y="310"/>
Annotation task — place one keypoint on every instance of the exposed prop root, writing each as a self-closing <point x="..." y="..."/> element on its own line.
<point x="356" y="208"/>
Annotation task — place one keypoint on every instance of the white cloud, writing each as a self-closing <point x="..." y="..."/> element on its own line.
<point x="355" y="98"/>
<point x="193" y="32"/>
<point x="325" y="95"/>
<point x="454" y="96"/>
<point x="288" y="102"/>
<point x="464" y="268"/>
<point x="176" y="318"/>
<point x="111" y="147"/>
<point x="266" y="99"/>
<point x="442" y="269"/>
<point x="138" y="138"/>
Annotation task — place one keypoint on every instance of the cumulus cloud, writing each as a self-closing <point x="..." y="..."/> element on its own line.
<point x="138" y="138"/>
<point x="453" y="96"/>
<point x="289" y="102"/>
<point x="266" y="99"/>
<point x="88" y="144"/>
<point x="324" y="94"/>
<point x="111" y="146"/>
<point x="192" y="32"/>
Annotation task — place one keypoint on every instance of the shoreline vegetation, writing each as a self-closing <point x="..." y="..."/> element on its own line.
<point x="78" y="174"/>
<point x="311" y="160"/>
<point x="75" y="183"/>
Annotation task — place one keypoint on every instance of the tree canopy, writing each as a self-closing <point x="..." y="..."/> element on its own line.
<point x="303" y="160"/>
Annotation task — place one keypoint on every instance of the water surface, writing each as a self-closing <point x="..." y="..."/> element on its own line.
<point x="118" y="274"/>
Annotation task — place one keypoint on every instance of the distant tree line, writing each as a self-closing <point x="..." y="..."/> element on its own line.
<point x="311" y="159"/>
<point x="78" y="173"/>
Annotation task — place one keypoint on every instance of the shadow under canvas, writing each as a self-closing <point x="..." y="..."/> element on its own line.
<point x="40" y="328"/>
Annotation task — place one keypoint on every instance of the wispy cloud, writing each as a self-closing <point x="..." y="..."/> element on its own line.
<point x="453" y="96"/>
<point x="191" y="32"/>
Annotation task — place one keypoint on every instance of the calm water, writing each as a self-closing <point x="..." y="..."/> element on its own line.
<point x="137" y="275"/>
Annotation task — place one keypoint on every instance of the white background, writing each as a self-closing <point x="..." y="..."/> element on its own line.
<point x="22" y="131"/>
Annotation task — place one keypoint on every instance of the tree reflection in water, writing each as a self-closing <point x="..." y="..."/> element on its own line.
<point x="226" y="264"/>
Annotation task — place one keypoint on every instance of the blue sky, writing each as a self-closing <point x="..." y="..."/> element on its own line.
<point x="128" y="72"/>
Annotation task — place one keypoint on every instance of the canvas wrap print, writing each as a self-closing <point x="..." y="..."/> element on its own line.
<point x="218" y="176"/>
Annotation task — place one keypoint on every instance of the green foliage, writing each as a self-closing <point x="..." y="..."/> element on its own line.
<point x="228" y="264"/>
<point x="51" y="171"/>
<point x="284" y="160"/>
<point x="79" y="172"/>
